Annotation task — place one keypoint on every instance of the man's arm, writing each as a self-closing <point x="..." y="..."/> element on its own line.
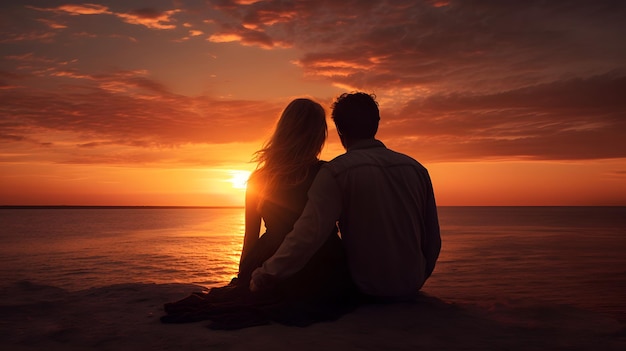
<point x="309" y="233"/>
<point x="431" y="238"/>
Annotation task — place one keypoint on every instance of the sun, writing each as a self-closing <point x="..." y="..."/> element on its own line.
<point x="239" y="179"/>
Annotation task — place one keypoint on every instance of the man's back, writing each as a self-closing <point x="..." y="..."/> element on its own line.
<point x="388" y="220"/>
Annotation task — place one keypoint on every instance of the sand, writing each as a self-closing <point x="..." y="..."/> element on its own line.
<point x="126" y="317"/>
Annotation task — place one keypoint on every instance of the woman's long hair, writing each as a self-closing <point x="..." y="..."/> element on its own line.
<point x="297" y="141"/>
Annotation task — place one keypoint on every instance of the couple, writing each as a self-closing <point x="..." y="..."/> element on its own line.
<point x="300" y="271"/>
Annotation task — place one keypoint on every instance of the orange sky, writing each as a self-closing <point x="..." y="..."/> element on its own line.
<point x="164" y="102"/>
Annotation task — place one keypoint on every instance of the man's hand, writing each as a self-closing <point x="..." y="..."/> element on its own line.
<point x="253" y="286"/>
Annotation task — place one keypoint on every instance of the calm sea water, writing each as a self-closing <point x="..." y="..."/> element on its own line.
<point x="538" y="255"/>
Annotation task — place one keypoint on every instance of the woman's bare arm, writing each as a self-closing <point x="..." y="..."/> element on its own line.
<point x="252" y="221"/>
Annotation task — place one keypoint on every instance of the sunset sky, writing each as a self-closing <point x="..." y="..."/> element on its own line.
<point x="164" y="102"/>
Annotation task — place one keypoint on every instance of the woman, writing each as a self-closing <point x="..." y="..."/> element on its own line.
<point x="276" y="195"/>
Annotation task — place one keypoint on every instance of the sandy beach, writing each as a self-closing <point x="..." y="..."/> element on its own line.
<point x="126" y="317"/>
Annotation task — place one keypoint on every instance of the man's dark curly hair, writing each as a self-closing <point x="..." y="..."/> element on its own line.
<point x="356" y="115"/>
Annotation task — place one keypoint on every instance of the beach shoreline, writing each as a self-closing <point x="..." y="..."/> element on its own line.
<point x="126" y="317"/>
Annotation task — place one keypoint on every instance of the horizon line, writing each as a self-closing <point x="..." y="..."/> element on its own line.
<point x="110" y="206"/>
<point x="9" y="207"/>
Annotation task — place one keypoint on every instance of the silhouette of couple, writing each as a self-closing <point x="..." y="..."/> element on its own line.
<point x="301" y="270"/>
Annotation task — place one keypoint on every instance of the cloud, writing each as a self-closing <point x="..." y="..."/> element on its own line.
<point x="436" y="45"/>
<point x="224" y="38"/>
<point x="29" y="65"/>
<point x="617" y="174"/>
<point x="56" y="111"/>
<point x="150" y="18"/>
<point x="565" y="120"/>
<point x="52" y="24"/>
<point x="30" y="36"/>
<point x="456" y="80"/>
<point x="84" y="9"/>
<point x="147" y="17"/>
<point x="79" y="116"/>
<point x="128" y="109"/>
<point x="248" y="37"/>
<point x="464" y="80"/>
<point x="251" y="23"/>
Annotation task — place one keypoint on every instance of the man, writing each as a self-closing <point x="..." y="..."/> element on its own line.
<point x="384" y="205"/>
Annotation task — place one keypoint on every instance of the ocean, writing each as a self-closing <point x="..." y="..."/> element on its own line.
<point x="491" y="256"/>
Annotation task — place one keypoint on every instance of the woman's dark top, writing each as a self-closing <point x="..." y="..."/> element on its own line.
<point x="280" y="210"/>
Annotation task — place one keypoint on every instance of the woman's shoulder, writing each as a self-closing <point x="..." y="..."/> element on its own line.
<point x="255" y="177"/>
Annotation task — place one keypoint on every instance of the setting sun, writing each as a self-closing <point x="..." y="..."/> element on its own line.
<point x="239" y="179"/>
